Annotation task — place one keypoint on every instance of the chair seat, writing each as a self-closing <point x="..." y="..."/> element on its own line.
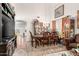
<point x="73" y="45"/>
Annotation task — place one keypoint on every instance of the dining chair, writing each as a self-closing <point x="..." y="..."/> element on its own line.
<point x="51" y="38"/>
<point x="45" y="38"/>
<point x="32" y="41"/>
<point x="54" y="38"/>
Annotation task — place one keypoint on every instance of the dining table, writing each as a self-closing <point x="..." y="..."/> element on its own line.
<point x="40" y="39"/>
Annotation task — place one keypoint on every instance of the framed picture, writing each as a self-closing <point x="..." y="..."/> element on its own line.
<point x="78" y="19"/>
<point x="59" y="11"/>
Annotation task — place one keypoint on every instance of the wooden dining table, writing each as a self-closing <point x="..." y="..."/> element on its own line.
<point x="40" y="38"/>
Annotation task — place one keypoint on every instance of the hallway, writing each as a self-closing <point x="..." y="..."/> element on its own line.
<point x="21" y="41"/>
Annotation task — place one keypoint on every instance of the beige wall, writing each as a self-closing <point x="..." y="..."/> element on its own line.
<point x="29" y="12"/>
<point x="69" y="9"/>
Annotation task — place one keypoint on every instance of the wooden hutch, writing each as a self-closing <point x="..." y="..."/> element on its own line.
<point x="7" y="29"/>
<point x="68" y="27"/>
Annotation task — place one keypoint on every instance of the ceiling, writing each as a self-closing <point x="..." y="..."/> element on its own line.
<point x="24" y="10"/>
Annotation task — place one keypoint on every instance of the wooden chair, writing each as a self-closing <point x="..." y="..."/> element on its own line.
<point x="45" y="38"/>
<point x="72" y="42"/>
<point x="32" y="41"/>
<point x="54" y="38"/>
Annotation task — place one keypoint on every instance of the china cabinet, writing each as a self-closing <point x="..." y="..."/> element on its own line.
<point x="68" y="27"/>
<point x="7" y="30"/>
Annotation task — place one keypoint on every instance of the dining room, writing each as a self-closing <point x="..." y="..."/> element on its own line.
<point x="48" y="26"/>
<point x="41" y="29"/>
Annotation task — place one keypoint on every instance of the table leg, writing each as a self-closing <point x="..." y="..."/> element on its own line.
<point x="35" y="43"/>
<point x="49" y="42"/>
<point x="32" y="43"/>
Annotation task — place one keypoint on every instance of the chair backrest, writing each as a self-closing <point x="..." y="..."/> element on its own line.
<point x="54" y="35"/>
<point x="45" y="34"/>
<point x="51" y="35"/>
<point x="31" y="35"/>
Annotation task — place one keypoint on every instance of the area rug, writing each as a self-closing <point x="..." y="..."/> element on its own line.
<point x="62" y="53"/>
<point x="40" y="51"/>
<point x="43" y="51"/>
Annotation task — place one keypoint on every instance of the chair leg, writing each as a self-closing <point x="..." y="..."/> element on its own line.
<point x="40" y="42"/>
<point x="36" y="43"/>
<point x="54" y="42"/>
<point x="32" y="43"/>
<point x="49" y="43"/>
<point x="43" y="43"/>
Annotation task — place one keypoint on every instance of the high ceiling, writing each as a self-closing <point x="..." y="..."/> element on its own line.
<point x="24" y="10"/>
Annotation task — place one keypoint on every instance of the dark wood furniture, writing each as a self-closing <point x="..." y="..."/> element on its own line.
<point x="68" y="28"/>
<point x="32" y="41"/>
<point x="54" y="38"/>
<point x="35" y="39"/>
<point x="46" y="38"/>
<point x="72" y="42"/>
<point x="49" y="38"/>
<point x="38" y="40"/>
<point x="8" y="37"/>
<point x="42" y="39"/>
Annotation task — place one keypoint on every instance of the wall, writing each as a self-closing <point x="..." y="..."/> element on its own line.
<point x="59" y="26"/>
<point x="69" y="9"/>
<point x="30" y="11"/>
